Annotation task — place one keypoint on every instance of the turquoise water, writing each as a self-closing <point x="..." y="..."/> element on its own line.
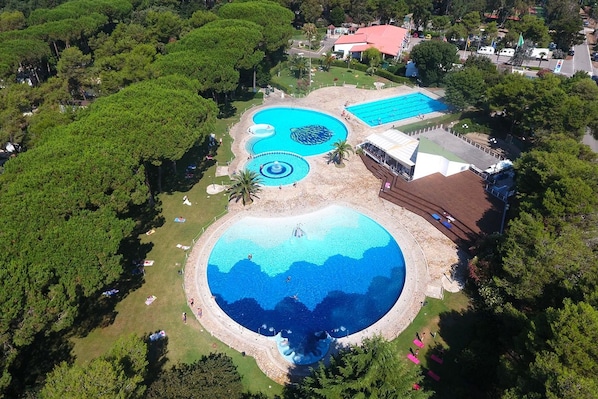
<point x="278" y="168"/>
<point x="332" y="272"/>
<point x="396" y="108"/>
<point x="286" y="121"/>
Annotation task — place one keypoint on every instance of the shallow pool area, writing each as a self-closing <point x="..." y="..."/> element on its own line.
<point x="393" y="109"/>
<point x="301" y="131"/>
<point x="278" y="168"/>
<point x="305" y="280"/>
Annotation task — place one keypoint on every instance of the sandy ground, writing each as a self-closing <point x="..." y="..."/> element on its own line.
<point x="428" y="254"/>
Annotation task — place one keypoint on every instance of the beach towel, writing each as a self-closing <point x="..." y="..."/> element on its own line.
<point x="180" y="220"/>
<point x="150" y="232"/>
<point x="436" y="359"/>
<point x="413" y="358"/>
<point x="183" y="247"/>
<point x="433" y="375"/>
<point x="157" y="335"/>
<point x="110" y="293"/>
<point x="436" y="217"/>
<point x="148" y="262"/>
<point x="150" y="299"/>
<point x="418" y="343"/>
<point x="387" y="185"/>
<point x="447" y="225"/>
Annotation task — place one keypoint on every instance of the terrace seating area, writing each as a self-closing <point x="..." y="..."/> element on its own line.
<point x="457" y="205"/>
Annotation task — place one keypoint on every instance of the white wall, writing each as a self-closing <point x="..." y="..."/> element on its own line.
<point x="345" y="48"/>
<point x="428" y="164"/>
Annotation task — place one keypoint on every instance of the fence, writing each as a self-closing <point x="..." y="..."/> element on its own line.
<point x="476" y="145"/>
<point x="496" y="193"/>
<point x="311" y="88"/>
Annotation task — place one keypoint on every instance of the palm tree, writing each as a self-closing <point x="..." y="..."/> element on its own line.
<point x="339" y="153"/>
<point x="311" y="33"/>
<point x="246" y="185"/>
<point x="328" y="60"/>
<point x="299" y="64"/>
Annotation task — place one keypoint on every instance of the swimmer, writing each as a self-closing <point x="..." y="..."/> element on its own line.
<point x="288" y="279"/>
<point x="249" y="256"/>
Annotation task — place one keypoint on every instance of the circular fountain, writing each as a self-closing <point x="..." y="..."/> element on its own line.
<point x="276" y="168"/>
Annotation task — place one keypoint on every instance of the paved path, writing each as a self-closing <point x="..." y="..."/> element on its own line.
<point x="428" y="253"/>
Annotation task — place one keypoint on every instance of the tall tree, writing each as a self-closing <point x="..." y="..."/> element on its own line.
<point x="465" y="88"/>
<point x="212" y="377"/>
<point x="372" y="370"/>
<point x="421" y="12"/>
<point x="434" y="59"/>
<point x="274" y="20"/>
<point x="118" y="374"/>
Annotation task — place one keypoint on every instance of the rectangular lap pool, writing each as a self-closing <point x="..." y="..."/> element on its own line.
<point x="396" y="108"/>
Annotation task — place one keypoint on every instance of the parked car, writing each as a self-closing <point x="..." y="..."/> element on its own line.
<point x="509" y="52"/>
<point x="571" y="51"/>
<point x="595" y="56"/>
<point x="487" y="50"/>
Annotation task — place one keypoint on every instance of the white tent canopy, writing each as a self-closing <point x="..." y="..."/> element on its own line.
<point x="397" y="145"/>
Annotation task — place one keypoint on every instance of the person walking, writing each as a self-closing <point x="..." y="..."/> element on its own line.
<point x="185" y="317"/>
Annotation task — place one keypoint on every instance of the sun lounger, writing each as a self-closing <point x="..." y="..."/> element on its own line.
<point x="436" y="359"/>
<point x="436" y="217"/>
<point x="180" y="220"/>
<point x="150" y="299"/>
<point x="413" y="358"/>
<point x="150" y="232"/>
<point x="418" y="343"/>
<point x="450" y="218"/>
<point x="183" y="247"/>
<point x="148" y="262"/>
<point x="447" y="225"/>
<point x="433" y="375"/>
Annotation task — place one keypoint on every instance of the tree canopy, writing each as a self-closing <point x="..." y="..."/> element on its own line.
<point x="372" y="370"/>
<point x="434" y="59"/>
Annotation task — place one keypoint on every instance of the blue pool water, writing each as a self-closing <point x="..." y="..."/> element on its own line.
<point x="396" y="108"/>
<point x="302" y="131"/>
<point x="278" y="168"/>
<point x="334" y="271"/>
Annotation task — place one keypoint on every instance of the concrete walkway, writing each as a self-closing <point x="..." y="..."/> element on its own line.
<point x="428" y="254"/>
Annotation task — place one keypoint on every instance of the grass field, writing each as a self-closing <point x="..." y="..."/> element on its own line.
<point x="188" y="342"/>
<point x="335" y="76"/>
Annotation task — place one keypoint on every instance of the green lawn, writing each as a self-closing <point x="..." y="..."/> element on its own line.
<point x="188" y="342"/>
<point x="335" y="76"/>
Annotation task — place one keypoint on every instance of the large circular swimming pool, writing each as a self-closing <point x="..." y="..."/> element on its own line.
<point x="306" y="278"/>
<point x="301" y="131"/>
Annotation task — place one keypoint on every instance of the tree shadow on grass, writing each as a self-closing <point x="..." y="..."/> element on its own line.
<point x="157" y="351"/>
<point x="36" y="360"/>
<point x="191" y="168"/>
<point x="470" y="356"/>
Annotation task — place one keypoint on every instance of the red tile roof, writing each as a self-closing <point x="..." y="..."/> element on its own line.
<point x="386" y="38"/>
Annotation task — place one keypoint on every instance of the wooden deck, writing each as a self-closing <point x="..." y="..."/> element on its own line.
<point x="461" y="196"/>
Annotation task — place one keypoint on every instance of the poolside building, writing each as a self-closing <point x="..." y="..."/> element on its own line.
<point x="412" y="157"/>
<point x="389" y="39"/>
